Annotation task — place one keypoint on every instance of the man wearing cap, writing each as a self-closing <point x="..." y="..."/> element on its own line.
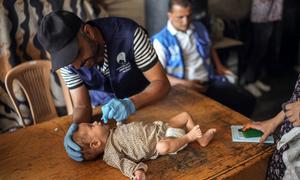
<point x="107" y="61"/>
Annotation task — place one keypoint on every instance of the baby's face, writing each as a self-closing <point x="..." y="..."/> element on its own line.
<point x="95" y="129"/>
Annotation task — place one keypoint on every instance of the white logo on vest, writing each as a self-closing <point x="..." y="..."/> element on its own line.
<point x="124" y="65"/>
<point x="121" y="58"/>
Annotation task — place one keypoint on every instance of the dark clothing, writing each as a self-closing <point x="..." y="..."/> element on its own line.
<point x="232" y="96"/>
<point x="125" y="78"/>
<point x="266" y="37"/>
<point x="276" y="166"/>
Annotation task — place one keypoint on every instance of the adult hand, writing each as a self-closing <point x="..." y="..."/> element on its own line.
<point x="292" y="112"/>
<point x="222" y="70"/>
<point x="72" y="148"/>
<point x="267" y="127"/>
<point x="139" y="175"/>
<point x="195" y="85"/>
<point x="118" y="109"/>
<point x="230" y="76"/>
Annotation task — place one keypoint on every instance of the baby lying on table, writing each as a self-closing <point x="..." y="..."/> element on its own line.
<point x="125" y="146"/>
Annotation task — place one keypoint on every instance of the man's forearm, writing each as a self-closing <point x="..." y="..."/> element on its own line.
<point x="82" y="105"/>
<point x="174" y="81"/>
<point x="155" y="91"/>
<point x="215" y="57"/>
<point x="82" y="114"/>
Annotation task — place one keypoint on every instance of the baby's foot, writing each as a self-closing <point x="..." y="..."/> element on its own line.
<point x="194" y="133"/>
<point x="206" y="137"/>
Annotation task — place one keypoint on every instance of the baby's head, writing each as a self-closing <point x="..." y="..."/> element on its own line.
<point x="91" y="137"/>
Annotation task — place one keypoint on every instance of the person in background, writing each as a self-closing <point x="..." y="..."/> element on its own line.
<point x="280" y="125"/>
<point x="106" y="61"/>
<point x="265" y="39"/>
<point x="126" y="151"/>
<point x="184" y="48"/>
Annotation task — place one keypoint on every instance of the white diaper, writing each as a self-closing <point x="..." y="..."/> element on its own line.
<point x="175" y="132"/>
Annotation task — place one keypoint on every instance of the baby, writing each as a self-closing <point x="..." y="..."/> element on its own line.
<point x="125" y="146"/>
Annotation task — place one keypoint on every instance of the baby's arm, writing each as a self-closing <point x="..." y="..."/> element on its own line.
<point x="139" y="175"/>
<point x="127" y="167"/>
<point x="130" y="168"/>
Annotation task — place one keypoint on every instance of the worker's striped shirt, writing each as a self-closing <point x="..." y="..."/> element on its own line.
<point x="144" y="53"/>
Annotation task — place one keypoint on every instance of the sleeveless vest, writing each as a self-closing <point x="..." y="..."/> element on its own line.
<point x="174" y="54"/>
<point x="125" y="79"/>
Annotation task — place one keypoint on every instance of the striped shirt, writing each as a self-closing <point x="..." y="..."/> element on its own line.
<point x="144" y="54"/>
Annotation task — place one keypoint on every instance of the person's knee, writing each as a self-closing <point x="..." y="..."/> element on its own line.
<point x="163" y="147"/>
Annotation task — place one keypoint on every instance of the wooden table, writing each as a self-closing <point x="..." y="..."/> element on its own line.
<point x="37" y="152"/>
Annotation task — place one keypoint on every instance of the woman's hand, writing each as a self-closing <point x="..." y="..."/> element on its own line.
<point x="292" y="112"/>
<point x="267" y="127"/>
<point x="222" y="70"/>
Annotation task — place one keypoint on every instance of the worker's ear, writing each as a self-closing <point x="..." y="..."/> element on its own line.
<point x="170" y="14"/>
<point x="95" y="143"/>
<point x="89" y="30"/>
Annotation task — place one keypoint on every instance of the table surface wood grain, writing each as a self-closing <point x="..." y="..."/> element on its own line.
<point x="37" y="152"/>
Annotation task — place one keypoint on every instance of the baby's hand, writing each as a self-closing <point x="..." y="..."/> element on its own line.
<point x="139" y="175"/>
<point x="119" y="123"/>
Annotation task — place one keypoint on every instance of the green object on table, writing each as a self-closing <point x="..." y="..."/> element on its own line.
<point x="251" y="133"/>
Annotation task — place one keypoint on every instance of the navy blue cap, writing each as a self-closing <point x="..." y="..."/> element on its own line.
<point x="57" y="34"/>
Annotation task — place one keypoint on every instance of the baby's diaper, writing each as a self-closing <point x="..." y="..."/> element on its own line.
<point x="175" y="132"/>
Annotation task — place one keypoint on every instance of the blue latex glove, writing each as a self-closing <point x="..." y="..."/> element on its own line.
<point x="71" y="147"/>
<point x="118" y="109"/>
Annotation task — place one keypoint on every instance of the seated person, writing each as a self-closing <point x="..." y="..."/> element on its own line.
<point x="184" y="49"/>
<point x="125" y="151"/>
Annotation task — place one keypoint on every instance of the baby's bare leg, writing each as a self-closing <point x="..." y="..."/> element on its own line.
<point x="185" y="120"/>
<point x="182" y="120"/>
<point x="170" y="145"/>
<point x="206" y="137"/>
